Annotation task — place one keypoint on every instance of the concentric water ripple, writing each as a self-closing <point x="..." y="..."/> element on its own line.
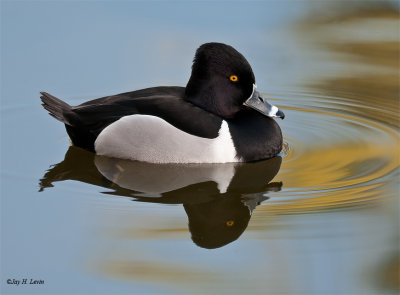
<point x="336" y="154"/>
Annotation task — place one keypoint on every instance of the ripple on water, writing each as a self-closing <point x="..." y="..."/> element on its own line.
<point x="335" y="155"/>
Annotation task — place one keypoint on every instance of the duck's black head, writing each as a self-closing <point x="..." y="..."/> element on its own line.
<point x="222" y="82"/>
<point x="221" y="79"/>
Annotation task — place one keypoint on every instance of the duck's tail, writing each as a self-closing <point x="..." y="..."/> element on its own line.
<point x="55" y="106"/>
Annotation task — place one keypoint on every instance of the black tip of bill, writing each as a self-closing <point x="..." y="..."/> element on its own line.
<point x="280" y="114"/>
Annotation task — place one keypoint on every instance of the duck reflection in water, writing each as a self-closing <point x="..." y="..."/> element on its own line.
<point x="218" y="198"/>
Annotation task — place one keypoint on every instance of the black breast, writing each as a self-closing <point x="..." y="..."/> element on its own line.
<point x="255" y="136"/>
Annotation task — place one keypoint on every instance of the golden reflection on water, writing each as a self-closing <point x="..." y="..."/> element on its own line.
<point x="363" y="106"/>
<point x="160" y="272"/>
<point x="330" y="174"/>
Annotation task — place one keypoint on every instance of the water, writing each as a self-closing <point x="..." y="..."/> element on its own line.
<point x="322" y="218"/>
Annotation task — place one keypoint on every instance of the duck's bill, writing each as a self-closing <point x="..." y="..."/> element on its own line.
<point x="257" y="102"/>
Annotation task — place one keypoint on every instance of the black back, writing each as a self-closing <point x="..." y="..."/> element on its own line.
<point x="86" y="121"/>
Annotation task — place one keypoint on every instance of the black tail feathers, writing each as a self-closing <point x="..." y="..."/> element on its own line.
<point x="56" y="107"/>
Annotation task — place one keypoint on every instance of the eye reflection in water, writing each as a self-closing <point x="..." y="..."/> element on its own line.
<point x="218" y="198"/>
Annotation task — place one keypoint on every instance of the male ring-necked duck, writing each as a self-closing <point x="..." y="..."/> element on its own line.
<point x="219" y="117"/>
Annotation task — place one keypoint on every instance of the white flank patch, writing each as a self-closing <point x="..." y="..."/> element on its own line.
<point x="151" y="139"/>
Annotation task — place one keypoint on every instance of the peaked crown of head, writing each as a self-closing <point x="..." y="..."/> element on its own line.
<point x="219" y="58"/>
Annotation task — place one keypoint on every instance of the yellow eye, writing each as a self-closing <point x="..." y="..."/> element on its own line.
<point x="230" y="223"/>
<point x="233" y="78"/>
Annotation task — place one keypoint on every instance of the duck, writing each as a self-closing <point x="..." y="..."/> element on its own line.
<point x="219" y="117"/>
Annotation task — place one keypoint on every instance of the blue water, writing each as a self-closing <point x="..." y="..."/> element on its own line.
<point x="80" y="240"/>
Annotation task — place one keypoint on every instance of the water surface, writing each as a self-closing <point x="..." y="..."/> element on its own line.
<point x="320" y="218"/>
